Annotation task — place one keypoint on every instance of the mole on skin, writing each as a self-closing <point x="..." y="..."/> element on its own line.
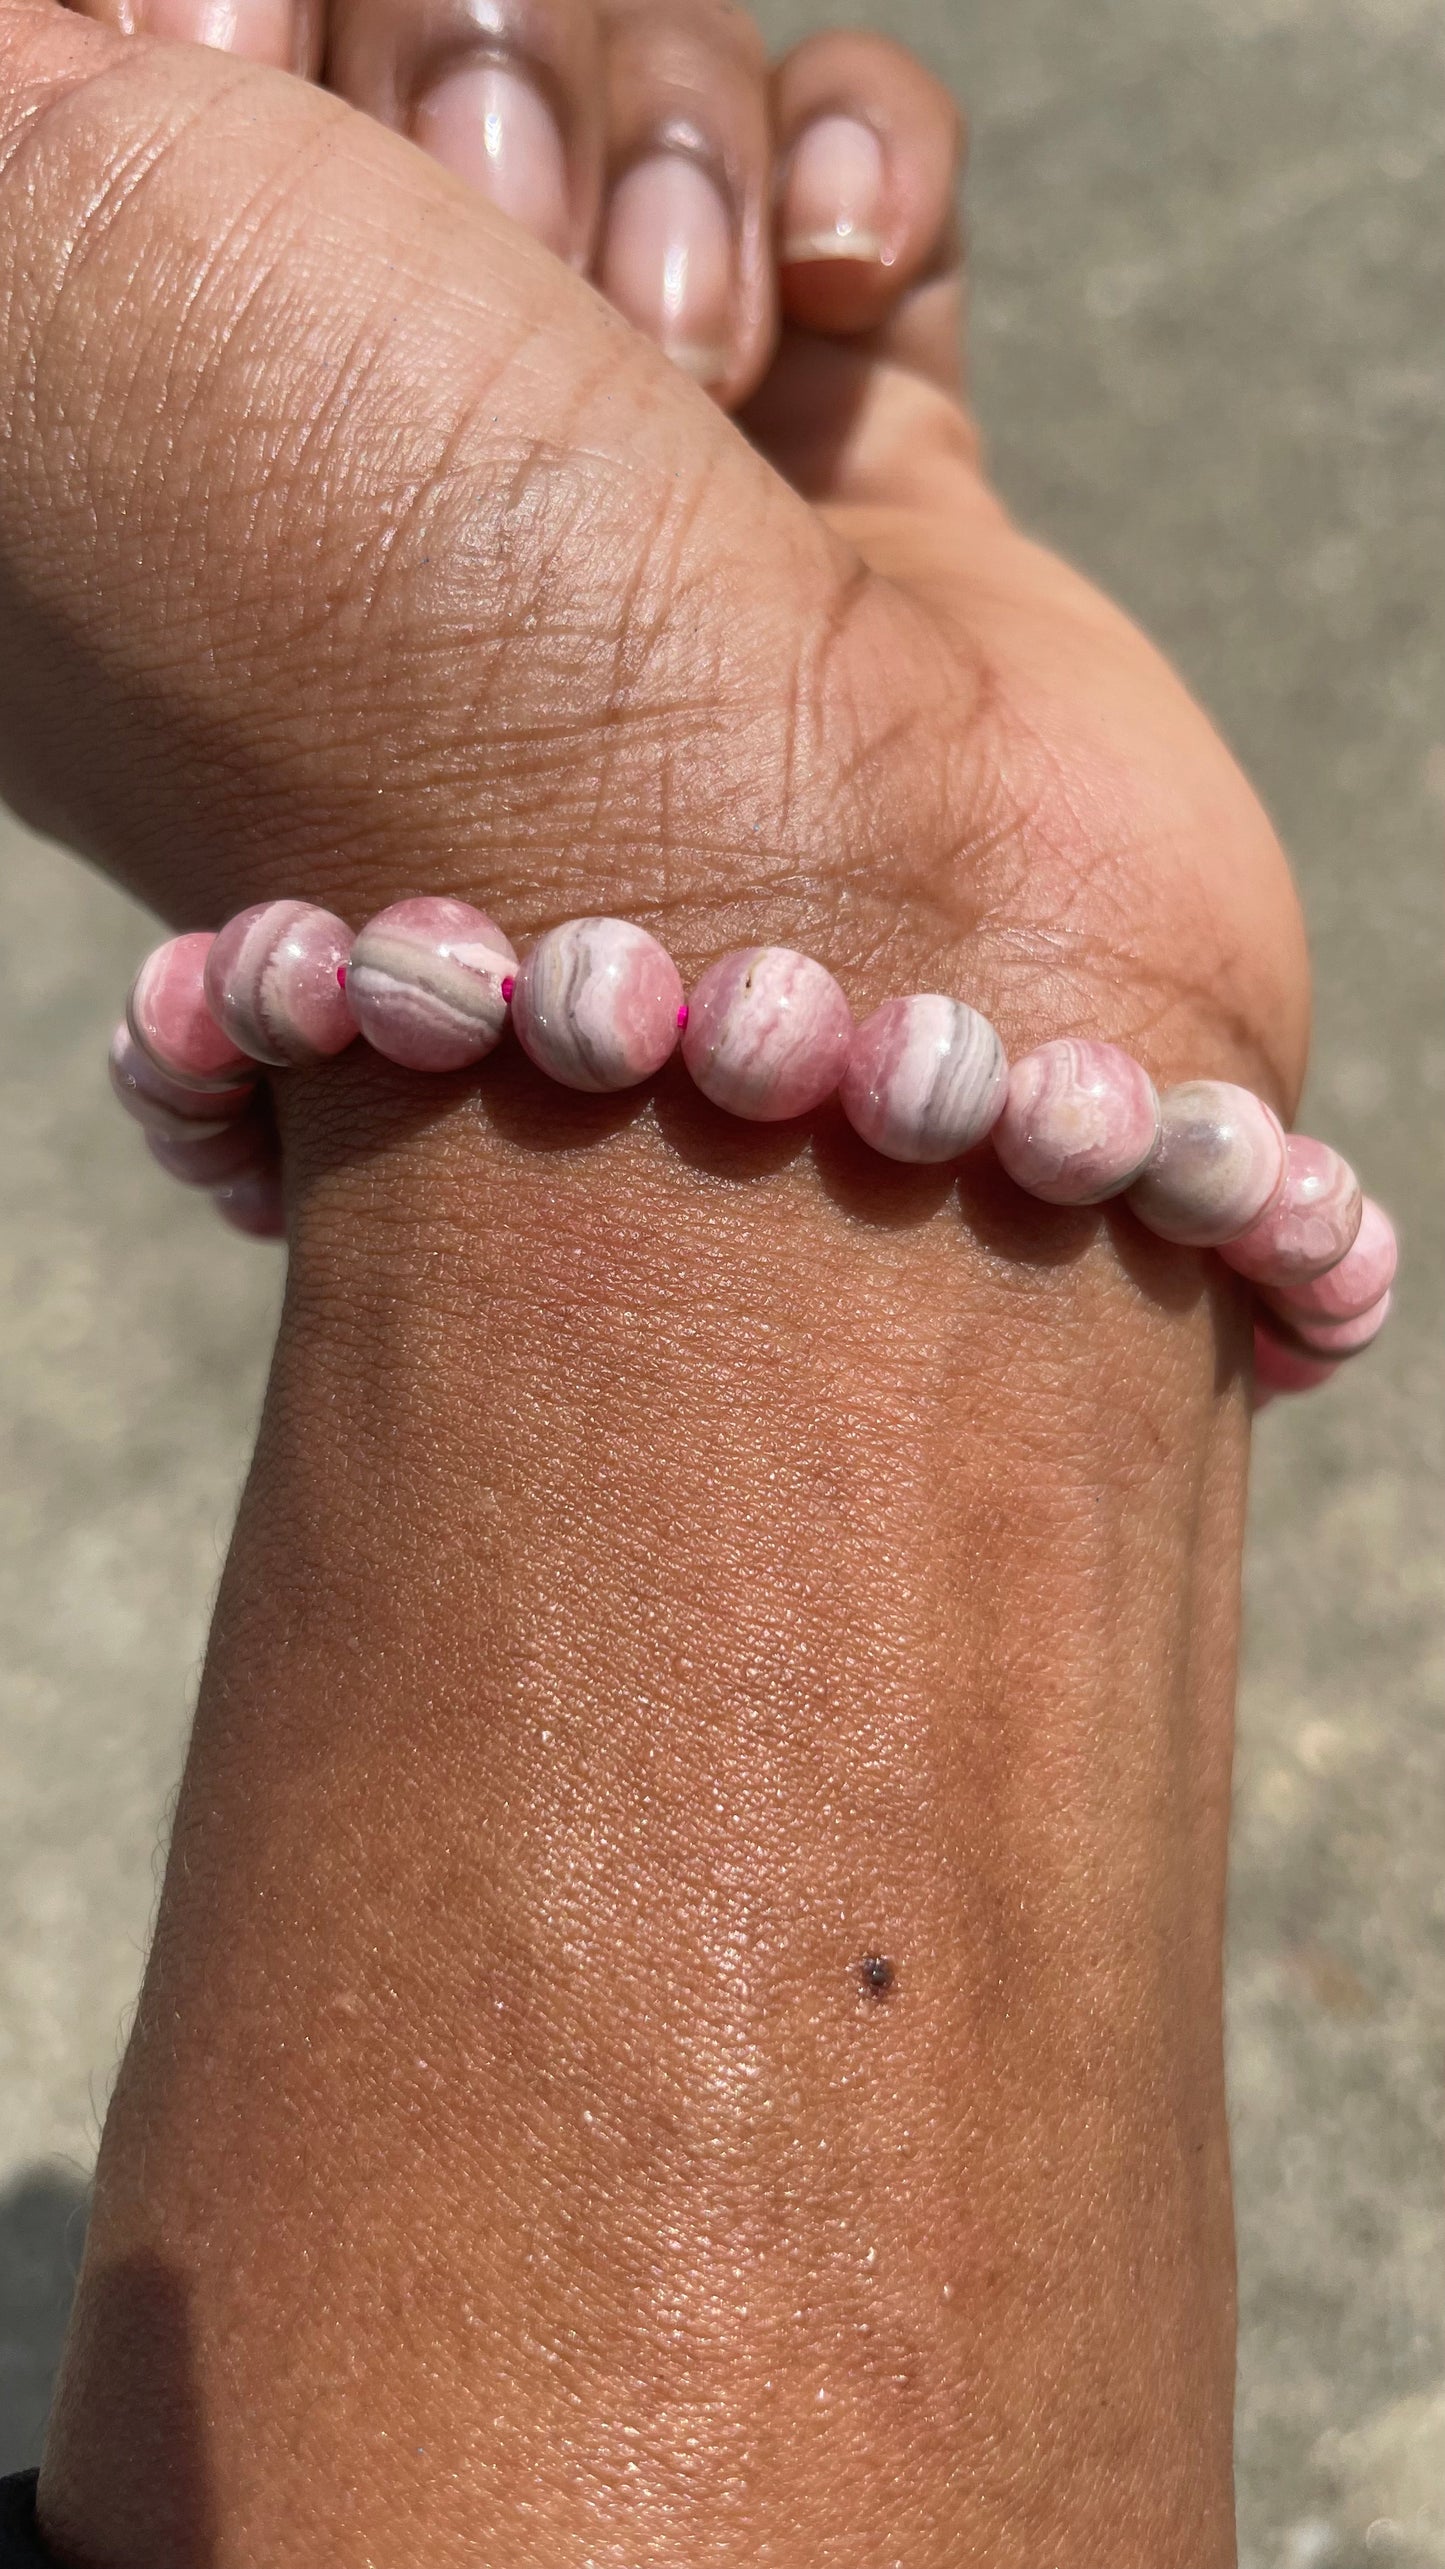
<point x="876" y="1975"/>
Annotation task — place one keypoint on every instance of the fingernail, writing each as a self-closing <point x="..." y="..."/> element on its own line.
<point x="833" y="192"/>
<point x="257" y="30"/>
<point x="667" y="261"/>
<point x="491" y="127"/>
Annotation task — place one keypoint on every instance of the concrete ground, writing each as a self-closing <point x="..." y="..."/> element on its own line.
<point x="1208" y="251"/>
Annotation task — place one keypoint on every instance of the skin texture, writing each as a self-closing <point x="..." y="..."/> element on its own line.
<point x="683" y="1571"/>
<point x="512" y="2121"/>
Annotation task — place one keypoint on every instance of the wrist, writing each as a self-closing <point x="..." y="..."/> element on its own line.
<point x="599" y="1006"/>
<point x="675" y="1579"/>
<point x="519" y="1223"/>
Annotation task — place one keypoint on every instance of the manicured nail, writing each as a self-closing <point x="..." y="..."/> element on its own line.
<point x="491" y="127"/>
<point x="833" y="192"/>
<point x="258" y="30"/>
<point x="667" y="261"/>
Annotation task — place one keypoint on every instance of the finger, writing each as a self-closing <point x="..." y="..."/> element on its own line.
<point x="685" y="250"/>
<point x="507" y="98"/>
<point x="284" y="34"/>
<point x="869" y="146"/>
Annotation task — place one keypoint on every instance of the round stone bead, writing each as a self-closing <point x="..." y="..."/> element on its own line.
<point x="1216" y="1166"/>
<point x="768" y="1033"/>
<point x="253" y="1203"/>
<point x="1338" y="1338"/>
<point x="926" y="1078"/>
<point x="424" y="983"/>
<point x="169" y="1019"/>
<point x="1311" y="1223"/>
<point x="597" y="1004"/>
<point x="271" y="982"/>
<point x="1080" y="1122"/>
<point x="1279" y="1368"/>
<point x="1363" y="1274"/>
<point x="209" y="1159"/>
<point x="166" y="1105"/>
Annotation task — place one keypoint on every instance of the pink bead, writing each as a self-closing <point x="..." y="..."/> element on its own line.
<point x="596" y="1004"/>
<point x="253" y="1203"/>
<point x="1080" y="1122"/>
<point x="1363" y="1274"/>
<point x="926" y="1079"/>
<point x="165" y="1105"/>
<point x="425" y="983"/>
<point x="768" y="1033"/>
<point x="1278" y="1368"/>
<point x="169" y="1019"/>
<point x="1311" y="1223"/>
<point x="271" y="983"/>
<point x="214" y="1157"/>
<point x="1218" y="1162"/>
<point x="1337" y="1338"/>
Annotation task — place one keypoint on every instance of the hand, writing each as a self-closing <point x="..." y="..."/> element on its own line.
<point x="350" y="545"/>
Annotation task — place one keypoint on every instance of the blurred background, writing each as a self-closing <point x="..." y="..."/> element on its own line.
<point x="1209" y="259"/>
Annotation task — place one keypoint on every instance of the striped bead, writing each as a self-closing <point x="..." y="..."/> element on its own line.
<point x="272" y="983"/>
<point x="1363" y="1274"/>
<point x="210" y="1158"/>
<point x="1339" y="1338"/>
<point x="1311" y="1223"/>
<point x="597" y="1005"/>
<point x="425" y="983"/>
<point x="166" y="1105"/>
<point x="1081" y="1122"/>
<point x="169" y="1018"/>
<point x="1218" y="1162"/>
<point x="768" y="1033"/>
<point x="926" y="1079"/>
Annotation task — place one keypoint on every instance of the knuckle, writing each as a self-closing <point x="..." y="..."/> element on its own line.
<point x="699" y="30"/>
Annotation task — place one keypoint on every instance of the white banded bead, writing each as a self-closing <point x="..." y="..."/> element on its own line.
<point x="1080" y="1123"/>
<point x="597" y="1004"/>
<point x="926" y="1079"/>
<point x="425" y="983"/>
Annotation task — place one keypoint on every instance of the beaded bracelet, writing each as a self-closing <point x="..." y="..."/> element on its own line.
<point x="598" y="1005"/>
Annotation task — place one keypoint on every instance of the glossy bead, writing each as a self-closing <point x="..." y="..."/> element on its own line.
<point x="253" y="1203"/>
<point x="1363" y="1274"/>
<point x="169" y="1019"/>
<point x="1279" y="1368"/>
<point x="1218" y="1162"/>
<point x="926" y="1079"/>
<point x="271" y="982"/>
<point x="211" y="1158"/>
<point x="1080" y="1122"/>
<point x="1311" y="1223"/>
<point x="425" y="983"/>
<point x="768" y="1033"/>
<point x="1338" y="1338"/>
<point x="597" y="1004"/>
<point x="166" y="1105"/>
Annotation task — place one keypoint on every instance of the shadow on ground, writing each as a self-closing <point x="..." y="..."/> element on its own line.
<point x="42" y="2230"/>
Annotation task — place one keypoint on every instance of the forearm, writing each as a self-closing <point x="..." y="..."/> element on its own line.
<point x="672" y="1575"/>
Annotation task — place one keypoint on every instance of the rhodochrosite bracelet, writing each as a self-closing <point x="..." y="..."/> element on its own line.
<point x="599" y="1005"/>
